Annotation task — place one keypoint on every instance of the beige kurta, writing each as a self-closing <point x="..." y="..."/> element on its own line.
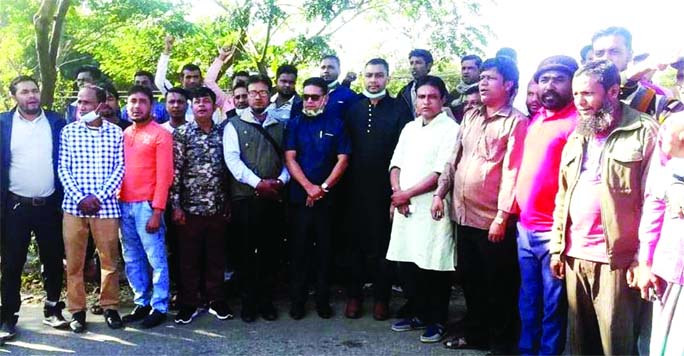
<point x="418" y="238"/>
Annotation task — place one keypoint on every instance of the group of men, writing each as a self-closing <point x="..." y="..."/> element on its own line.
<point x="209" y="171"/>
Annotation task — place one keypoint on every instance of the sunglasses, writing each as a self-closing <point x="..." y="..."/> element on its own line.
<point x="313" y="97"/>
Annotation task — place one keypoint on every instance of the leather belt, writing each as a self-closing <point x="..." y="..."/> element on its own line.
<point x="38" y="201"/>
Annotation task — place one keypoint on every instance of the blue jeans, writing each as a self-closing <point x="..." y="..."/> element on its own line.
<point x="543" y="304"/>
<point x="142" y="250"/>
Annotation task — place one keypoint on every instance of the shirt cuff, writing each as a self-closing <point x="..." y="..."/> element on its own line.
<point x="253" y="180"/>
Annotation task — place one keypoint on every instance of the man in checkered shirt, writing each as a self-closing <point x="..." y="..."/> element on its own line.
<point x="91" y="168"/>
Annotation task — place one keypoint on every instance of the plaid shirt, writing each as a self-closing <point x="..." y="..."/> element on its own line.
<point x="91" y="162"/>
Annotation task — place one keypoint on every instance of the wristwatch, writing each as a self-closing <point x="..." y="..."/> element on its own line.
<point x="325" y="187"/>
<point x="499" y="220"/>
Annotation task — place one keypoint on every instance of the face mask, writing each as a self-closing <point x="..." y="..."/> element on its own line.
<point x="313" y="112"/>
<point x="370" y="95"/>
<point x="89" y="117"/>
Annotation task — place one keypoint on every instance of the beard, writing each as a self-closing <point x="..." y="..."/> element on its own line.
<point x="553" y="101"/>
<point x="600" y="124"/>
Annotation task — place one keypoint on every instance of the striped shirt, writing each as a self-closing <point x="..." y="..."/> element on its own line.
<point x="91" y="162"/>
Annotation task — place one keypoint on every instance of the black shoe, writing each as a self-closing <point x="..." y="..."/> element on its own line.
<point x="78" y="322"/>
<point x="96" y="309"/>
<point x="268" y="311"/>
<point x="137" y="314"/>
<point x="113" y="319"/>
<point x="53" y="316"/>
<point x="220" y="310"/>
<point x="154" y="319"/>
<point x="185" y="314"/>
<point x="9" y="329"/>
<point x="297" y="311"/>
<point x="248" y="313"/>
<point x="324" y="310"/>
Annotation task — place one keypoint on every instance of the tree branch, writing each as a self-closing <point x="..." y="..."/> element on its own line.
<point x="57" y="29"/>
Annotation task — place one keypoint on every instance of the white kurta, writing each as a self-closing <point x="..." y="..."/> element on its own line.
<point x="418" y="238"/>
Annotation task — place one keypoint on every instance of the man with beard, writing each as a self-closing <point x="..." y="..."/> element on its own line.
<point x="145" y="189"/>
<point x="542" y="297"/>
<point x="480" y="176"/>
<point x="286" y="96"/>
<point x="374" y="127"/>
<point x="594" y="238"/>
<point x="111" y="110"/>
<point x="146" y="79"/>
<point x="252" y="149"/>
<point x="420" y="61"/>
<point x="316" y="153"/>
<point x="532" y="101"/>
<point x="470" y="76"/>
<point x="30" y="194"/>
<point x="176" y="106"/>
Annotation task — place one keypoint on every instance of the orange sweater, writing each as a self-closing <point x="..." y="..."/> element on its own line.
<point x="148" y="157"/>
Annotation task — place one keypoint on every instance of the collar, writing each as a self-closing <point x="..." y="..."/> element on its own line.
<point x="193" y="125"/>
<point x="544" y="115"/>
<point x="289" y="101"/>
<point x="630" y="119"/>
<point x="504" y="111"/>
<point x="38" y="119"/>
<point x="248" y="116"/>
<point x="441" y="116"/>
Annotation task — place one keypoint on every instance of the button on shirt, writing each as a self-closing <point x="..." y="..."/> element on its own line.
<point x="200" y="176"/>
<point x="31" y="170"/>
<point x="317" y="140"/>
<point x="91" y="162"/>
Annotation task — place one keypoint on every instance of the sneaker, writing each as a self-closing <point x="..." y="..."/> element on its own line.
<point x="220" y="310"/>
<point x="113" y="319"/>
<point x="185" y="314"/>
<point x="137" y="314"/>
<point x="434" y="333"/>
<point x="78" y="322"/>
<point x="155" y="318"/>
<point x="9" y="329"/>
<point x="53" y="316"/>
<point x="408" y="325"/>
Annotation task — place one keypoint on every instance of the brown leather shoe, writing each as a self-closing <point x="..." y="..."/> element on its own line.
<point x="380" y="311"/>
<point x="353" y="309"/>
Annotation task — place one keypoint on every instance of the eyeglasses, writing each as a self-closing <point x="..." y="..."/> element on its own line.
<point x="313" y="97"/>
<point x="255" y="93"/>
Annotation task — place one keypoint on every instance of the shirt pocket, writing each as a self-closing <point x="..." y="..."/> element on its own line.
<point x="624" y="170"/>
<point x="492" y="147"/>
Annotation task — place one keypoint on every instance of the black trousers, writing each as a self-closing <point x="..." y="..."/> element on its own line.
<point x="431" y="291"/>
<point x="46" y="223"/>
<point x="256" y="230"/>
<point x="311" y="245"/>
<point x="491" y="281"/>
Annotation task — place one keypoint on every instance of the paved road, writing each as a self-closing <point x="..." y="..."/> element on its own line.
<point x="207" y="335"/>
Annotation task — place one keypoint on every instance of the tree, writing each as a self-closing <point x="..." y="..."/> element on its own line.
<point x="49" y="22"/>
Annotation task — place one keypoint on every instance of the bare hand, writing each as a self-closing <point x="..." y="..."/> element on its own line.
<point x="226" y="52"/>
<point x="310" y="202"/>
<point x="646" y="281"/>
<point x="437" y="208"/>
<point x="400" y="197"/>
<point x="154" y="223"/>
<point x="268" y="188"/>
<point x="350" y="77"/>
<point x="315" y="192"/>
<point x="632" y="276"/>
<point x="168" y="44"/>
<point x="404" y="210"/>
<point x="90" y="205"/>
<point x="557" y="268"/>
<point x="178" y="216"/>
<point x="497" y="232"/>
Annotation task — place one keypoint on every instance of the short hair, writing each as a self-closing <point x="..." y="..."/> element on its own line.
<point x="379" y="61"/>
<point x="472" y="57"/>
<point x="100" y="94"/>
<point x="584" y="52"/>
<point x="260" y="78"/>
<point x="203" y="92"/>
<point x="422" y="53"/>
<point x="109" y="88"/>
<point x="240" y="84"/>
<point x="433" y="81"/>
<point x="141" y="89"/>
<point x="286" y="69"/>
<point x="20" y="79"/>
<point x="333" y="57"/>
<point x="506" y="67"/>
<point x="603" y="70"/>
<point x="507" y="52"/>
<point x="317" y="81"/>
<point x="94" y="71"/>
<point x="472" y="90"/>
<point x="614" y="31"/>
<point x="144" y="73"/>
<point x="190" y="67"/>
<point x="179" y="91"/>
<point x="240" y="73"/>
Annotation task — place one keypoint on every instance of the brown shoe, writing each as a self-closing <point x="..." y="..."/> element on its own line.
<point x="353" y="309"/>
<point x="380" y="311"/>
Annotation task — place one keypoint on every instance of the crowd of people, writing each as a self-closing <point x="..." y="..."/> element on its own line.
<point x="562" y="221"/>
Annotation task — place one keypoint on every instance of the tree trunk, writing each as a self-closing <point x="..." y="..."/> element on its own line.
<point x="49" y="22"/>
